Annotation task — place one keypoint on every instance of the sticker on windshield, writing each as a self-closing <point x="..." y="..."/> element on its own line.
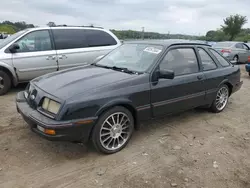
<point x="152" y="50"/>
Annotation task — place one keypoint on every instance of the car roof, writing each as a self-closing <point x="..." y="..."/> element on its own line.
<point x="65" y="27"/>
<point x="167" y="43"/>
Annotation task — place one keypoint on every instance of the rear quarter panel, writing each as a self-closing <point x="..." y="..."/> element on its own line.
<point x="215" y="78"/>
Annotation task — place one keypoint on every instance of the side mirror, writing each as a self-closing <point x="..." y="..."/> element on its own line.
<point x="166" y="74"/>
<point x="14" y="47"/>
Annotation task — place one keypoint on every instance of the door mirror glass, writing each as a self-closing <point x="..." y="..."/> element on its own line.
<point x="166" y="74"/>
<point x="14" y="47"/>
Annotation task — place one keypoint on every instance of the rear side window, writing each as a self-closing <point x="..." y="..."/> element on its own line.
<point x="239" y="45"/>
<point x="99" y="38"/>
<point x="221" y="59"/>
<point x="206" y="60"/>
<point x="182" y="61"/>
<point x="69" y="38"/>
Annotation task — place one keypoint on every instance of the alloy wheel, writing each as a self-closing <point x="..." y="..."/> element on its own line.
<point x="115" y="131"/>
<point x="221" y="98"/>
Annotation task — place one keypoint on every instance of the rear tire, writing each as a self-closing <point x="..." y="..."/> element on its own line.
<point x="5" y="82"/>
<point x="221" y="99"/>
<point x="236" y="59"/>
<point x="113" y="130"/>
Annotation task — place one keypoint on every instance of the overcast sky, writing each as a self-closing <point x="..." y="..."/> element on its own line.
<point x="174" y="16"/>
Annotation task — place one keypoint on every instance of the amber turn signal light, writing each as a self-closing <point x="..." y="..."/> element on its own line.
<point x="50" y="131"/>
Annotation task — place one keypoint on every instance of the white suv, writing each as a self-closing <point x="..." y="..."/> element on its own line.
<point x="33" y="52"/>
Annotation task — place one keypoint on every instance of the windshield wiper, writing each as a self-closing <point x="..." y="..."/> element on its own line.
<point x="103" y="66"/>
<point x="123" y="69"/>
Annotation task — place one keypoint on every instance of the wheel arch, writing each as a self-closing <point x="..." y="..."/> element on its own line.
<point x="10" y="71"/>
<point x="120" y="102"/>
<point x="229" y="85"/>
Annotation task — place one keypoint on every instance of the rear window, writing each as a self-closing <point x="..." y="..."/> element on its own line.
<point x="221" y="59"/>
<point x="99" y="38"/>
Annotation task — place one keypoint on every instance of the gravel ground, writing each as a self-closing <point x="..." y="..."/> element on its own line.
<point x="193" y="149"/>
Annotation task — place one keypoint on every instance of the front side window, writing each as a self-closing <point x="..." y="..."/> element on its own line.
<point x="206" y="60"/>
<point x="35" y="41"/>
<point x="245" y="47"/>
<point x="11" y="38"/>
<point x="181" y="61"/>
<point x="135" y="57"/>
<point x="221" y="59"/>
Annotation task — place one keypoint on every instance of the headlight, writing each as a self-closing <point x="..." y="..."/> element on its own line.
<point x="50" y="105"/>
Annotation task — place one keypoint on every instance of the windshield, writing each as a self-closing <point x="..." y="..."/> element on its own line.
<point x="9" y="39"/>
<point x="223" y="44"/>
<point x="134" y="57"/>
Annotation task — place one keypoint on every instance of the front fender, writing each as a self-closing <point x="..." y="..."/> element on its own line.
<point x="115" y="102"/>
<point x="11" y="71"/>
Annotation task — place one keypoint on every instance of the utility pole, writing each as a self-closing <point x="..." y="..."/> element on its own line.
<point x="142" y="33"/>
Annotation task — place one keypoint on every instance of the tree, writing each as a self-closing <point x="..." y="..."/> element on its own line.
<point x="51" y="24"/>
<point x="210" y="36"/>
<point x="233" y="25"/>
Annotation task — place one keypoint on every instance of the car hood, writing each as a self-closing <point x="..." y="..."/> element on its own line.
<point x="67" y="83"/>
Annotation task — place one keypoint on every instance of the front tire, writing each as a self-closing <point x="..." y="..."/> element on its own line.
<point x="221" y="99"/>
<point x="5" y="82"/>
<point x="113" y="130"/>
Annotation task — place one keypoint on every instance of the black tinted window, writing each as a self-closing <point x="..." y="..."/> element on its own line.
<point x="207" y="61"/>
<point x="221" y="59"/>
<point x="69" y="38"/>
<point x="99" y="38"/>
<point x="181" y="61"/>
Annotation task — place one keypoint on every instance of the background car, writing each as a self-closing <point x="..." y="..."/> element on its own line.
<point x="34" y="52"/>
<point x="104" y="102"/>
<point x="237" y="52"/>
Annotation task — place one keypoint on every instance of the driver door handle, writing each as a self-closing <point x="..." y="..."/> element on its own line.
<point x="62" y="57"/>
<point x="51" y="57"/>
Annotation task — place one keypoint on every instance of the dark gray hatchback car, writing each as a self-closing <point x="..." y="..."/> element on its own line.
<point x="104" y="102"/>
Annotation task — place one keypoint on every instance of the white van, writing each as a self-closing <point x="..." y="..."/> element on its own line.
<point x="34" y="52"/>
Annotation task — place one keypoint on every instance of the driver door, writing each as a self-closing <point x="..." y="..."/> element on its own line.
<point x="35" y="57"/>
<point x="186" y="90"/>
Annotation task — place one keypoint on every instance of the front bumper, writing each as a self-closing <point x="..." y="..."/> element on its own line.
<point x="65" y="130"/>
